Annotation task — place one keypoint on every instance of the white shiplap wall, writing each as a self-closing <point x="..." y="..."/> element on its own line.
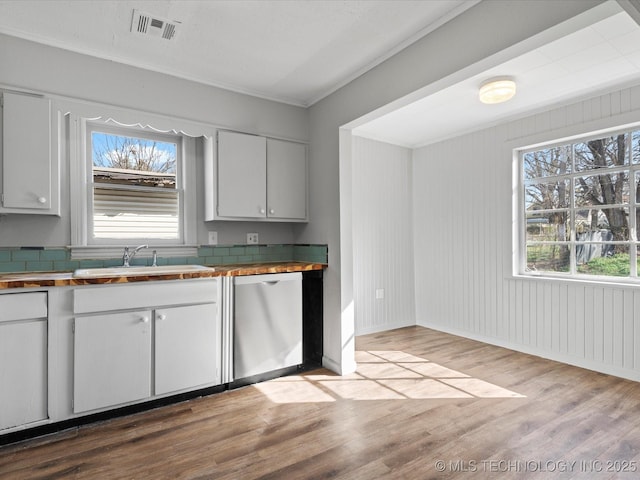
<point x="464" y="282"/>
<point x="382" y="236"/>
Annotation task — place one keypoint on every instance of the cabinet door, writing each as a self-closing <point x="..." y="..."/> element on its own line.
<point x="286" y="180"/>
<point x="23" y="372"/>
<point x="26" y="154"/>
<point x="112" y="359"/>
<point x="187" y="348"/>
<point x="23" y="358"/>
<point x="242" y="172"/>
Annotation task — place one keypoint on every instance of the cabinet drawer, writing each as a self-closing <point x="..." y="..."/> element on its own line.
<point x="23" y="306"/>
<point x="104" y="298"/>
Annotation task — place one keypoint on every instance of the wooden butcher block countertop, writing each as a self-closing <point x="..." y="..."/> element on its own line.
<point x="63" y="279"/>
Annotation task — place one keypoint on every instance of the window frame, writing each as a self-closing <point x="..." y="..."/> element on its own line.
<point x="196" y="141"/>
<point x="633" y="206"/>
<point x="146" y="134"/>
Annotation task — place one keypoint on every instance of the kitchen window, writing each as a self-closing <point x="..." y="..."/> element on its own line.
<point x="580" y="206"/>
<point x="133" y="180"/>
<point x="135" y="188"/>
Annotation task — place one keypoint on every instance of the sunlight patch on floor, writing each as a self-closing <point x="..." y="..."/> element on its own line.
<point x="424" y="388"/>
<point x="383" y="375"/>
<point x="480" y="388"/>
<point x="294" y="390"/>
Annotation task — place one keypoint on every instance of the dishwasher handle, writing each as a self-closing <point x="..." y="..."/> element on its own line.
<point x="267" y="279"/>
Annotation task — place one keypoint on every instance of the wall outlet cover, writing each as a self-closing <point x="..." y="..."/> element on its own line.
<point x="213" y="238"/>
<point x="252" y="238"/>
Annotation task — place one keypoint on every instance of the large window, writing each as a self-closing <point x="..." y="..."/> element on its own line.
<point x="581" y="206"/>
<point x="135" y="188"/>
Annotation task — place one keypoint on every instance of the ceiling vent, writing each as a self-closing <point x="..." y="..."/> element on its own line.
<point x="146" y="24"/>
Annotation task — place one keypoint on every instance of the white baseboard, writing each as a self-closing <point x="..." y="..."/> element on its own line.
<point x="556" y="356"/>
<point x="382" y="328"/>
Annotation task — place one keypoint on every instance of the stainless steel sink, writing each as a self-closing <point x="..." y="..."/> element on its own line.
<point x="139" y="270"/>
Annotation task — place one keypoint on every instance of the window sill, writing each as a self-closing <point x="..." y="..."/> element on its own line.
<point x="617" y="282"/>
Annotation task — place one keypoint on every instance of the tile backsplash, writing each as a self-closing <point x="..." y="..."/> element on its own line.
<point x="37" y="259"/>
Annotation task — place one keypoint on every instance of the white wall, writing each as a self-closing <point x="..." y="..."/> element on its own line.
<point x="382" y="223"/>
<point x="31" y="66"/>
<point x="468" y="44"/>
<point x="468" y="181"/>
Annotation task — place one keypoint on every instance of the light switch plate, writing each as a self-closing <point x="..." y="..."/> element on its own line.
<point x="252" y="238"/>
<point x="213" y="238"/>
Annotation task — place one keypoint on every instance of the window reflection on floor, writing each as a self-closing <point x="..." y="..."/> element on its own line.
<point x="383" y="375"/>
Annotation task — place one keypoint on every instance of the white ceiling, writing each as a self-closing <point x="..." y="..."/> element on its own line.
<point x="592" y="59"/>
<point x="299" y="51"/>
<point x="292" y="51"/>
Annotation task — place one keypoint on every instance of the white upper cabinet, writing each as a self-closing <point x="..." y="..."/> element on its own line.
<point x="30" y="164"/>
<point x="286" y="180"/>
<point x="242" y="169"/>
<point x="257" y="178"/>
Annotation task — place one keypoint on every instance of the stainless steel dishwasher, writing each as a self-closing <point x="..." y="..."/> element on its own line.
<point x="267" y="333"/>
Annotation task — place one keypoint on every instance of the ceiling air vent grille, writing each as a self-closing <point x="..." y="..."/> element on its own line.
<point x="146" y="24"/>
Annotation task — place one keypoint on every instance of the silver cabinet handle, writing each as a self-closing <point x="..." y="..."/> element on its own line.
<point x="42" y="200"/>
<point x="144" y="319"/>
<point x="162" y="316"/>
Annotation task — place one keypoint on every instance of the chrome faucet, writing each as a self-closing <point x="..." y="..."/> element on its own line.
<point x="127" y="257"/>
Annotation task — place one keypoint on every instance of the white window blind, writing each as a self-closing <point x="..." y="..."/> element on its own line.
<point x="133" y="213"/>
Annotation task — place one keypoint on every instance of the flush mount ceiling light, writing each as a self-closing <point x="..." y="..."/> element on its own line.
<point x="497" y="90"/>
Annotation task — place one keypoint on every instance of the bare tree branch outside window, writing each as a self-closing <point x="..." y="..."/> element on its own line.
<point x="579" y="203"/>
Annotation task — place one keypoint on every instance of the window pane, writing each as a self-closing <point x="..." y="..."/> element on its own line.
<point x="635" y="146"/>
<point x="605" y="259"/>
<point x="133" y="161"/>
<point x="548" y="258"/>
<point x="546" y="196"/>
<point x="603" y="189"/>
<point x="547" y="227"/>
<point x="135" y="188"/>
<point x="547" y="162"/>
<point x="602" y="225"/>
<point x="601" y="153"/>
<point x="121" y="213"/>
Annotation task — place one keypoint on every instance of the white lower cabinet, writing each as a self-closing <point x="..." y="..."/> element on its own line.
<point x="185" y="354"/>
<point x="112" y="359"/>
<point x="157" y="338"/>
<point x="23" y="359"/>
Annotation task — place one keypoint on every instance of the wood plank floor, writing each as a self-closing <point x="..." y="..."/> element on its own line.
<point x="422" y="405"/>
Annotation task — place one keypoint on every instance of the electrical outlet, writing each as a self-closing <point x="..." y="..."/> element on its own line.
<point x="213" y="238"/>
<point x="252" y="238"/>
